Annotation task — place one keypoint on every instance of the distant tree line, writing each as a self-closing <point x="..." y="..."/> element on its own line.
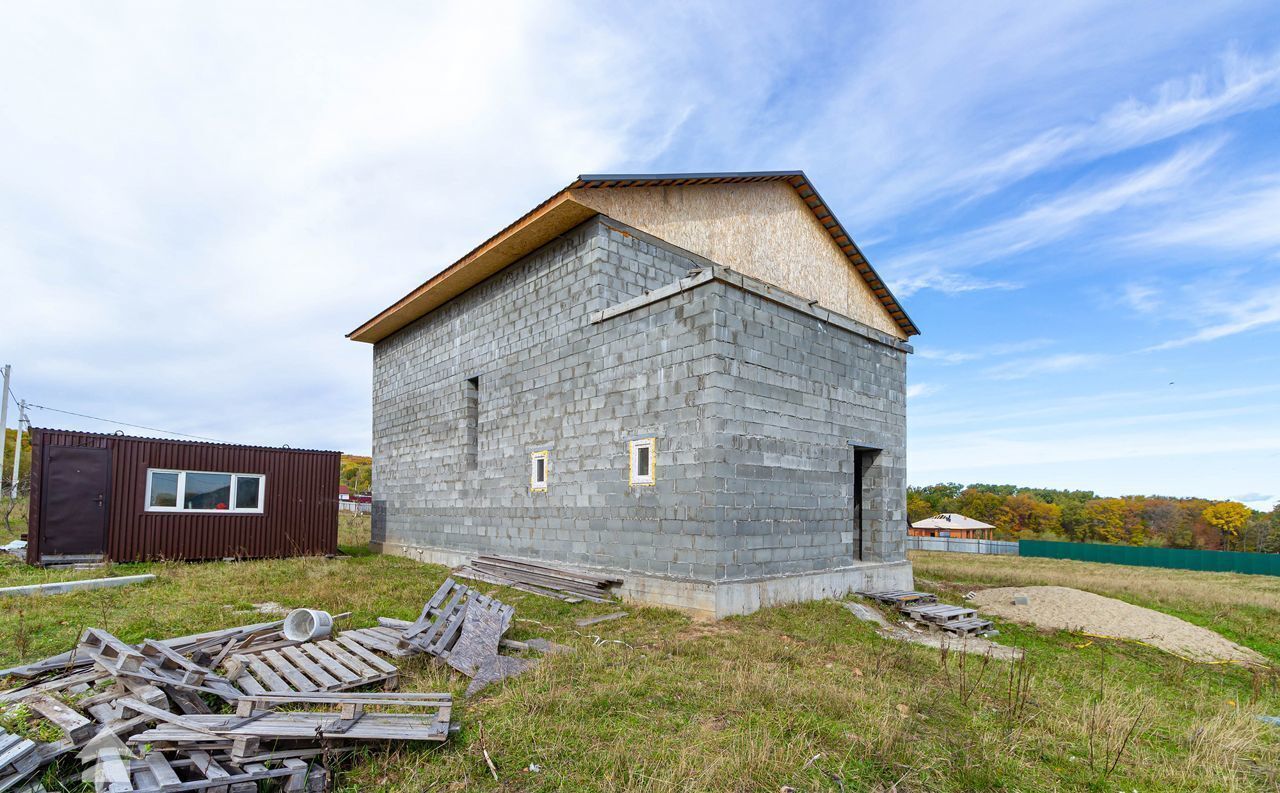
<point x="1083" y="516"/>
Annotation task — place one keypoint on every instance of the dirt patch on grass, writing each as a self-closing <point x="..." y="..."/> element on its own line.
<point x="1084" y="612"/>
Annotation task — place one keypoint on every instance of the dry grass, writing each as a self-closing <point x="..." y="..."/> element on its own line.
<point x="805" y="696"/>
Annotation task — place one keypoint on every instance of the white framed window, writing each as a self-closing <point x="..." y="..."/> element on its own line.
<point x="644" y="468"/>
<point x="204" y="491"/>
<point x="538" y="463"/>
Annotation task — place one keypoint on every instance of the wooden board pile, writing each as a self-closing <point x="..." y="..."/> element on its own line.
<point x="924" y="607"/>
<point x="570" y="586"/>
<point x="460" y="627"/>
<point x="222" y="711"/>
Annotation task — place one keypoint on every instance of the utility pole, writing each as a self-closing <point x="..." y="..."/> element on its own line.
<point x="17" y="449"/>
<point x="4" y="415"/>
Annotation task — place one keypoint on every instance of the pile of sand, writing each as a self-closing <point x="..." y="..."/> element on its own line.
<point x="1073" y="610"/>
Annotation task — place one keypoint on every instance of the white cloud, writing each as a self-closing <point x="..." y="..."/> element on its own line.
<point x="1054" y="218"/>
<point x="1238" y="216"/>
<point x="1142" y="298"/>
<point x="1230" y="315"/>
<point x="918" y="390"/>
<point x="1044" y="365"/>
<point x="989" y="351"/>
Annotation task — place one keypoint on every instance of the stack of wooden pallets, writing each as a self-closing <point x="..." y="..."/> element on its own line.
<point x="924" y="607"/>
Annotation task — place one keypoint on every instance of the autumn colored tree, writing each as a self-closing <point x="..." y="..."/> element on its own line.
<point x="1110" y="520"/>
<point x="1228" y="517"/>
<point x="918" y="508"/>
<point x="1029" y="514"/>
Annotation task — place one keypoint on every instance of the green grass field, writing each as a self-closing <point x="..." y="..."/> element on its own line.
<point x="802" y="696"/>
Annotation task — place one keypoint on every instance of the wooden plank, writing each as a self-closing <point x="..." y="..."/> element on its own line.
<point x="301" y="725"/>
<point x="296" y="678"/>
<point x="332" y="664"/>
<point x="111" y="774"/>
<point x="77" y="727"/>
<point x="310" y="668"/>
<point x="161" y="770"/>
<point x="351" y="661"/>
<point x="602" y="580"/>
<point x="265" y="674"/>
<point x="366" y="656"/>
<point x="158" y="714"/>
<point x="374" y="640"/>
<point x="336" y="698"/>
<point x="588" y="621"/>
<point x="247" y="683"/>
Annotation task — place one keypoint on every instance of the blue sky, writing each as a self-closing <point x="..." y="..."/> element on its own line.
<point x="1079" y="205"/>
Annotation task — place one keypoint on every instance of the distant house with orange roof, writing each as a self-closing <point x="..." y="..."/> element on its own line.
<point x="951" y="524"/>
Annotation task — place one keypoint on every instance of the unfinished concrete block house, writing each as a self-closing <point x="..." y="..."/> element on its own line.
<point x="694" y="380"/>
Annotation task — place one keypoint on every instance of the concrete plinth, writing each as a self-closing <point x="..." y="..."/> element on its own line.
<point x="713" y="599"/>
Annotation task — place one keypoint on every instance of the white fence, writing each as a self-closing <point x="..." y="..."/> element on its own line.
<point x="958" y="545"/>
<point x="354" y="506"/>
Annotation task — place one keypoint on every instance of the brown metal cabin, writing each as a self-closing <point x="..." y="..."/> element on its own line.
<point x="116" y="497"/>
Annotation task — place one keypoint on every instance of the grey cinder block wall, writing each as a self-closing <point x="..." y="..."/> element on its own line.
<point x="767" y="414"/>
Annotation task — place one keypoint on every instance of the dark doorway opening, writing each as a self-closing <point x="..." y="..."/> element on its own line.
<point x="77" y="485"/>
<point x="863" y="460"/>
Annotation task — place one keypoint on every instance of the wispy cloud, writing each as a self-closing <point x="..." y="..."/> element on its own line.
<point x="1142" y="298"/>
<point x="1241" y="214"/>
<point x="989" y="351"/>
<point x="1043" y="365"/>
<point x="918" y="390"/>
<point x="1239" y="83"/>
<point x="1053" y="218"/>
<point x="1230" y="316"/>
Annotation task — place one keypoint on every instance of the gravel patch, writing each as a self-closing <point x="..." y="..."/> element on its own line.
<point x="1064" y="608"/>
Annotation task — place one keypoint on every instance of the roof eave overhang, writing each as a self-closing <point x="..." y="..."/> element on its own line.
<point x="561" y="212"/>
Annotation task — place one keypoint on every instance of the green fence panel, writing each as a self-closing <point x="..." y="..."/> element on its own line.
<point x="1174" y="558"/>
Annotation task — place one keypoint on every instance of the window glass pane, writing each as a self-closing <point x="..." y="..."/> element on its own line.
<point x="207" y="491"/>
<point x="247" y="492"/>
<point x="164" y="490"/>
<point x="540" y="472"/>
<point x="642" y="461"/>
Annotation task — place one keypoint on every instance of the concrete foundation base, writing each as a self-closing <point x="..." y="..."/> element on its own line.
<point x="713" y="599"/>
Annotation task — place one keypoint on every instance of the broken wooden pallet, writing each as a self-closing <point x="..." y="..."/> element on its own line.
<point x="201" y="770"/>
<point x="328" y="665"/>
<point x="900" y="597"/>
<point x="344" y="716"/>
<point x="971" y="626"/>
<point x="938" y="613"/>
<point x="440" y="622"/>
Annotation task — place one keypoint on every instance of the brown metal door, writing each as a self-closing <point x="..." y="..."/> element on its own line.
<point x="77" y="483"/>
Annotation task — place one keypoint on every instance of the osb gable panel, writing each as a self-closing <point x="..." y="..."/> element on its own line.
<point x="763" y="230"/>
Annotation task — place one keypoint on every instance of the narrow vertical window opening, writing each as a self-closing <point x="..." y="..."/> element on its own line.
<point x="538" y="471"/>
<point x="471" y="423"/>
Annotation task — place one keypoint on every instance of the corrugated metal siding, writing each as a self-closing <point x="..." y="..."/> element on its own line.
<point x="1142" y="556"/>
<point x="299" y="518"/>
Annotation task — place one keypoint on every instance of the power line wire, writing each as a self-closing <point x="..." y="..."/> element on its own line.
<point x="126" y="424"/>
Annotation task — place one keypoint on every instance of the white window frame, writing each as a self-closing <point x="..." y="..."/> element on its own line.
<point x="231" y="503"/>
<point x="633" y="476"/>
<point x="535" y="485"/>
